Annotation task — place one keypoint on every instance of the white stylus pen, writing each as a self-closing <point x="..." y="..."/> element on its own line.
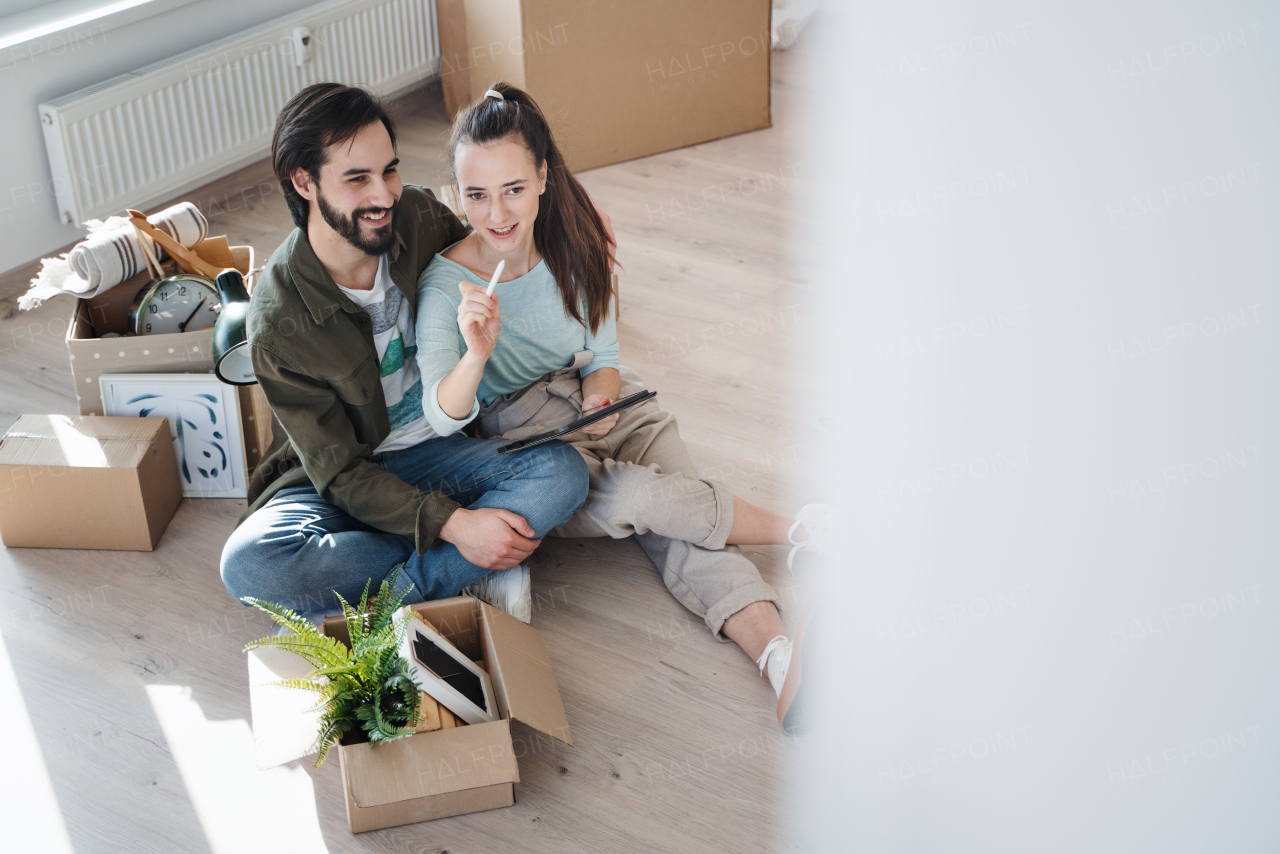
<point x="493" y="283"/>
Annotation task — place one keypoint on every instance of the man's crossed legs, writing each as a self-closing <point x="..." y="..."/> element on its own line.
<point x="297" y="549"/>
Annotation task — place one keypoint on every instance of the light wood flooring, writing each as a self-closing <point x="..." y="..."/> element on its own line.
<point x="129" y="664"/>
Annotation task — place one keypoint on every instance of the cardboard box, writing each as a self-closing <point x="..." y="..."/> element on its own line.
<point x="431" y="774"/>
<point x="190" y="352"/>
<point x="86" y="482"/>
<point x="616" y="79"/>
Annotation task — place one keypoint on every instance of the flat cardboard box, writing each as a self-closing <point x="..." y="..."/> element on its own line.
<point x="431" y="774"/>
<point x="190" y="352"/>
<point x="87" y="482"/>
<point x="617" y="79"/>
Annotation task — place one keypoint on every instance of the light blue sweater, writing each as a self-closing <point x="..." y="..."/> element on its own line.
<point x="537" y="336"/>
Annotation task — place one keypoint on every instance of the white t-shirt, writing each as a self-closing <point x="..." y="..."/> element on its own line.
<point x="394" y="338"/>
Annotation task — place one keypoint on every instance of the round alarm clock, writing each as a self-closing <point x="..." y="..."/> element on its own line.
<point x="181" y="303"/>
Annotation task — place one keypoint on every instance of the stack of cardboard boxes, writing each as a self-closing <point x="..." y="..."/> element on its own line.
<point x="102" y="482"/>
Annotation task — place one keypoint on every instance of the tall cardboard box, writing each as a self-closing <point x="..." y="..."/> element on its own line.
<point x="617" y="79"/>
<point x="87" y="482"/>
<point x="432" y="774"/>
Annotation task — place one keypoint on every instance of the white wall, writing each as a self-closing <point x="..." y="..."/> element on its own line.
<point x="1048" y="234"/>
<point x="29" y="225"/>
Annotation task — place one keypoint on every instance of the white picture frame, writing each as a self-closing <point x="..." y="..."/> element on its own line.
<point x="204" y="422"/>
<point x="449" y="696"/>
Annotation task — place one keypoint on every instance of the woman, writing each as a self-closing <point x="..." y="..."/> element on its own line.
<point x="557" y="357"/>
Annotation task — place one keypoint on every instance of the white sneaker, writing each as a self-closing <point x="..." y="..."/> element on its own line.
<point x="819" y="522"/>
<point x="789" y="17"/>
<point x="508" y="590"/>
<point x="777" y="658"/>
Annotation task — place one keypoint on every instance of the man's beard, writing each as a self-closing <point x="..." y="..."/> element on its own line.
<point x="349" y="227"/>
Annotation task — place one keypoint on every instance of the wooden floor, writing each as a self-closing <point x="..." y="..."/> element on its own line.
<point x="129" y="665"/>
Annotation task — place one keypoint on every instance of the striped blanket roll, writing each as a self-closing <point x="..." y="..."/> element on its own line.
<point x="109" y="256"/>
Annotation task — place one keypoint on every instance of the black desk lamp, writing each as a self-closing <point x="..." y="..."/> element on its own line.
<point x="231" y="360"/>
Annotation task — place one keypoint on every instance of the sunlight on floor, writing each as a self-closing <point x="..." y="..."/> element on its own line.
<point x="241" y="809"/>
<point x="28" y="794"/>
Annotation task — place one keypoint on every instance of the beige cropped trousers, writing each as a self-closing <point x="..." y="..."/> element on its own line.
<point x="643" y="484"/>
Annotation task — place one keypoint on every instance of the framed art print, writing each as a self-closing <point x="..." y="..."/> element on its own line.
<point x="204" y="421"/>
<point x="440" y="670"/>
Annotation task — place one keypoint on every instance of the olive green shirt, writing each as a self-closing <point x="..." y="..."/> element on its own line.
<point x="314" y="356"/>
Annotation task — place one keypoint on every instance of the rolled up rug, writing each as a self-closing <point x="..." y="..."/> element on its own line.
<point x="111" y="254"/>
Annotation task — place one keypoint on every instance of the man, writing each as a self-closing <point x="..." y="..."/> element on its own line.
<point x="357" y="486"/>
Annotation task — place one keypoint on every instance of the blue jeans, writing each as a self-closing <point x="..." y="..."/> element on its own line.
<point x="297" y="549"/>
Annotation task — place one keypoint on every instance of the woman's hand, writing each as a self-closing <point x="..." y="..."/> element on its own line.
<point x="602" y="427"/>
<point x="479" y="320"/>
<point x="600" y="388"/>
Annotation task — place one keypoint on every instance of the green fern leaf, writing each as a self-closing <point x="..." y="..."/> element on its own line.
<point x="316" y="650"/>
<point x="387" y="603"/>
<point x="286" y="617"/>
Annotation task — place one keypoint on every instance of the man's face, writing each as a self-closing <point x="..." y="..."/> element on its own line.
<point x="359" y="190"/>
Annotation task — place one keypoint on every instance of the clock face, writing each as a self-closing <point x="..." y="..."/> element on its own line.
<point x="182" y="303"/>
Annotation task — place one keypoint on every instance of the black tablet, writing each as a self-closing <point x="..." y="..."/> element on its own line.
<point x="539" y="438"/>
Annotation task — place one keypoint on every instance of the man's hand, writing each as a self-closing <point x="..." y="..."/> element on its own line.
<point x="490" y="538"/>
<point x="602" y="427"/>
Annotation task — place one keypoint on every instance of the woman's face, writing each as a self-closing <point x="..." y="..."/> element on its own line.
<point x="500" y="186"/>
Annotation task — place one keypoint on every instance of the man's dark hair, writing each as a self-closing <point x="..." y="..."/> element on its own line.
<point x="314" y="119"/>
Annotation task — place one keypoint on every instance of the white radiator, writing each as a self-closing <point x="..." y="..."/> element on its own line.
<point x="152" y="134"/>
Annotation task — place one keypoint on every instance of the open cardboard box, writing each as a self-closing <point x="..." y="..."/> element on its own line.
<point x="189" y="352"/>
<point x="432" y="774"/>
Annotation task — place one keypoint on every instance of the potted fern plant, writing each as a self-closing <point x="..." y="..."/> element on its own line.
<point x="365" y="693"/>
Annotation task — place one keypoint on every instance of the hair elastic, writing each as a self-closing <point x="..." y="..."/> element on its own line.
<point x="494" y="93"/>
